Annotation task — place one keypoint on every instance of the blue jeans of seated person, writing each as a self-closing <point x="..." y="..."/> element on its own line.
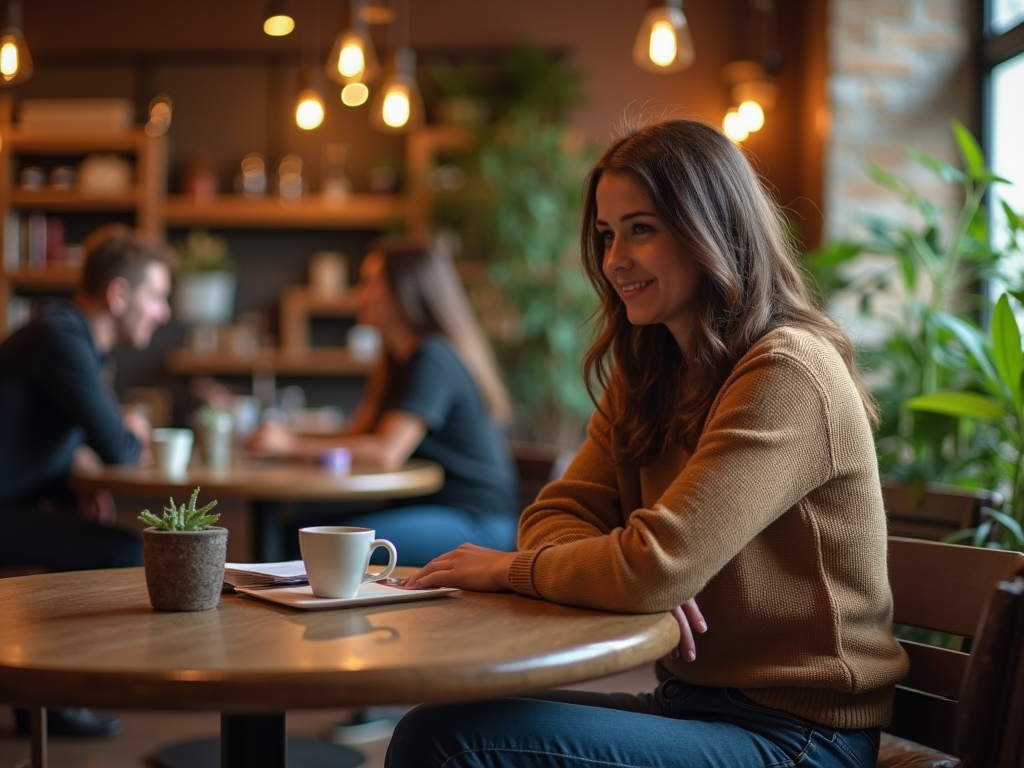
<point x="677" y="725"/>
<point x="423" y="532"/>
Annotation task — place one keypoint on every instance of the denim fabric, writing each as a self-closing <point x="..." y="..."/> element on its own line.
<point x="423" y="532"/>
<point x="677" y="725"/>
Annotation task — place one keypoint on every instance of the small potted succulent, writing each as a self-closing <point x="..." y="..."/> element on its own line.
<point x="184" y="556"/>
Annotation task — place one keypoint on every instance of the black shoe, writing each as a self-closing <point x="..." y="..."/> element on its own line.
<point x="80" y="722"/>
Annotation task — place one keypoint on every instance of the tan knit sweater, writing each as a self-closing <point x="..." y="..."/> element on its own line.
<point x="775" y="523"/>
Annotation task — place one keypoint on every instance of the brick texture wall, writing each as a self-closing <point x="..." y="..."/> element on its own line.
<point x="899" y="72"/>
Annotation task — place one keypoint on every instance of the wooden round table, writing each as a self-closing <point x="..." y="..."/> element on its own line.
<point x="91" y="639"/>
<point x="265" y="485"/>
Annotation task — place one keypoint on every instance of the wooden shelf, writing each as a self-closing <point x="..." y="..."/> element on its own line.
<point x="26" y="142"/>
<point x="59" y="200"/>
<point x="355" y="212"/>
<point x="52" y="278"/>
<point x="322" y="361"/>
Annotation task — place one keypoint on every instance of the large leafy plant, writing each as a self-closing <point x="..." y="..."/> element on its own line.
<point x="936" y="265"/>
<point x="994" y="400"/>
<point x="516" y="214"/>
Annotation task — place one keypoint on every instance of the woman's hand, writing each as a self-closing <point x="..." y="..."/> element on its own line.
<point x="273" y="438"/>
<point x="690" y="619"/>
<point x="469" y="567"/>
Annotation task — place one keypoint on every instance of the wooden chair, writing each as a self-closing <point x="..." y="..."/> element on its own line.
<point x="537" y="465"/>
<point x="952" y="708"/>
<point x="934" y="512"/>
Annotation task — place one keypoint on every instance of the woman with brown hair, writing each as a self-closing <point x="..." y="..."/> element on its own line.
<point x="730" y="463"/>
<point x="436" y="394"/>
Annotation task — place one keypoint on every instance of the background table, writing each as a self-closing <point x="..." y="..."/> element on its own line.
<point x="265" y="485"/>
<point x="91" y="639"/>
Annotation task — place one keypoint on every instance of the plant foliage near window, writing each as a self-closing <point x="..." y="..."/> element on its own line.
<point x="935" y="373"/>
<point x="515" y="208"/>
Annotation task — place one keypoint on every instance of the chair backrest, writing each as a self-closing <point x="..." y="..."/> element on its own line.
<point x="946" y="588"/>
<point x="934" y="511"/>
<point x="537" y="465"/>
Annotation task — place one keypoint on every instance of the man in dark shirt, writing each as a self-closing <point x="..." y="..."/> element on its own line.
<point x="54" y="402"/>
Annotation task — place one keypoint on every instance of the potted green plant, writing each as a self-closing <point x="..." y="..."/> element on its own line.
<point x="516" y="216"/>
<point x="205" y="289"/>
<point x="184" y="555"/>
<point x="925" y="277"/>
<point x="994" y="401"/>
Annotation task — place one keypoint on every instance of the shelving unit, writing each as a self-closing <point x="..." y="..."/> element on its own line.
<point x="354" y="212"/>
<point x="140" y="202"/>
<point x="312" y="362"/>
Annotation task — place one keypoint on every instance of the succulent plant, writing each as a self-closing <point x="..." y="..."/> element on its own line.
<point x="182" y="518"/>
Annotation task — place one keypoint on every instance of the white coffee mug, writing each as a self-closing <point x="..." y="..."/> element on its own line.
<point x="172" y="450"/>
<point x="337" y="558"/>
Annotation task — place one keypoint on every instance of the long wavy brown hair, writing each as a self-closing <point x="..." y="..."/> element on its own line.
<point x="708" y="196"/>
<point x="430" y="295"/>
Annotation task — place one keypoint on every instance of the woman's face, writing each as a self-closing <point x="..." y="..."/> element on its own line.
<point x="650" y="270"/>
<point x="376" y="300"/>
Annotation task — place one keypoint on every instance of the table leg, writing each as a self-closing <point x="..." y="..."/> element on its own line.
<point x="252" y="741"/>
<point x="256" y="741"/>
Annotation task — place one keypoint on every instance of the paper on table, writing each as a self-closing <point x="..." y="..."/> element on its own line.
<point x="262" y="575"/>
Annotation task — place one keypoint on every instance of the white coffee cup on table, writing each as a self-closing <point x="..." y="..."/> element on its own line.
<point x="337" y="558"/>
<point x="172" y="450"/>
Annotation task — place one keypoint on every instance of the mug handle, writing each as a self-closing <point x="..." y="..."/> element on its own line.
<point x="392" y="560"/>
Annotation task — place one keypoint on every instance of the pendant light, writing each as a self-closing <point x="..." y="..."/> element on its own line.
<point x="398" y="105"/>
<point x="352" y="58"/>
<point x="279" y="20"/>
<point x="751" y="82"/>
<point x="309" y="109"/>
<point x="663" y="42"/>
<point x="15" y="60"/>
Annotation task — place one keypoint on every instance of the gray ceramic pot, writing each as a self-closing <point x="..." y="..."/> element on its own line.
<point x="184" y="569"/>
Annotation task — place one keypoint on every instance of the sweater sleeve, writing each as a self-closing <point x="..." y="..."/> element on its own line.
<point x="70" y="373"/>
<point x="765" y="446"/>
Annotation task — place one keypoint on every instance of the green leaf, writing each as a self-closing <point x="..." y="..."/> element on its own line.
<point x="1006" y="349"/>
<point x="974" y="160"/>
<point x="964" y="404"/>
<point x="972" y="338"/>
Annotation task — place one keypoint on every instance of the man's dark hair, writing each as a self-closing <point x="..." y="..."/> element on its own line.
<point x="117" y="250"/>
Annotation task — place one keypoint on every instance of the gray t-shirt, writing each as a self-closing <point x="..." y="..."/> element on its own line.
<point x="461" y="436"/>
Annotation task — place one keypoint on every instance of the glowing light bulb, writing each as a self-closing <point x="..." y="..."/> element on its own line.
<point x="733" y="126"/>
<point x="309" y="112"/>
<point x="279" y="26"/>
<point x="396" y="108"/>
<point x="352" y="61"/>
<point x="662" y="48"/>
<point x="751" y="115"/>
<point x="354" y="94"/>
<point x="9" y="60"/>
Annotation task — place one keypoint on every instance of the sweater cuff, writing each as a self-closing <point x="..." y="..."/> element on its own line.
<point x="520" y="574"/>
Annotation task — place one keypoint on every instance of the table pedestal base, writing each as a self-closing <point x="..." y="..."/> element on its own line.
<point x="256" y="741"/>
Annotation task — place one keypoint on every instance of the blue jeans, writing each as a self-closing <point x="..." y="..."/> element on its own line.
<point x="677" y="725"/>
<point x="423" y="532"/>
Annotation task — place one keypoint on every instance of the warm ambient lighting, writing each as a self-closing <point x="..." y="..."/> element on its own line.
<point x="352" y="58"/>
<point x="354" y="94"/>
<point x="754" y="91"/>
<point x="399" y="105"/>
<point x="309" y="112"/>
<point x="734" y="127"/>
<point x="309" y="109"/>
<point x="15" y="60"/>
<point x="279" y="20"/>
<point x="663" y="43"/>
